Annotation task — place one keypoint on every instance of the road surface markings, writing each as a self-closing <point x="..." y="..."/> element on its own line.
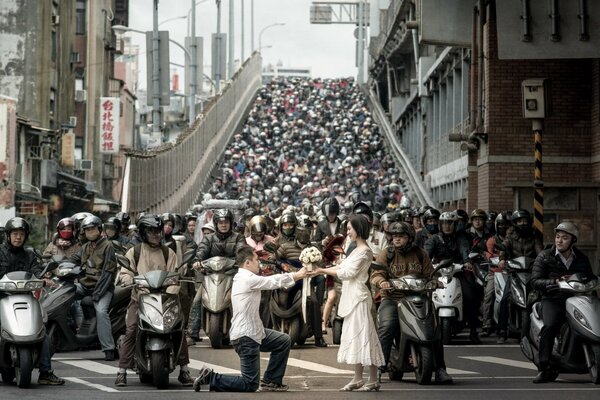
<point x="93" y="385"/>
<point x="503" y="361"/>
<point x="455" y="371"/>
<point x="196" y="364"/>
<point x="91" y="366"/>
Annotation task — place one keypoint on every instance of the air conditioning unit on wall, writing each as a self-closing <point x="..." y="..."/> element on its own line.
<point x="81" y="95"/>
<point x="84" y="165"/>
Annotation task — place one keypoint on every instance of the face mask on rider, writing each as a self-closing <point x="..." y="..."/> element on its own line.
<point x="66" y="235"/>
<point x="432" y="228"/>
<point x="92" y="234"/>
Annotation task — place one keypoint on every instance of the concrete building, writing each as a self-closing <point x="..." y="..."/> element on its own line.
<point x="448" y="77"/>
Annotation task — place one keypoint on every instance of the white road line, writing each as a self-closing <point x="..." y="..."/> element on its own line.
<point x="197" y="364"/>
<point x="483" y="346"/>
<point x="92" y="366"/>
<point x="503" y="361"/>
<point x="93" y="385"/>
<point x="294" y="362"/>
<point x="455" y="371"/>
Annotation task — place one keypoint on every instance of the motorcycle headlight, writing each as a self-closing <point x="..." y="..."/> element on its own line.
<point x="154" y="316"/>
<point x="141" y="282"/>
<point x="7" y="286"/>
<point x="170" y="317"/>
<point x="34" y="285"/>
<point x="581" y="319"/>
<point x="400" y="285"/>
<point x="446" y="270"/>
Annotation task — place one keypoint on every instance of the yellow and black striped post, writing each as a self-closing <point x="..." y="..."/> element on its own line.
<point x="538" y="183"/>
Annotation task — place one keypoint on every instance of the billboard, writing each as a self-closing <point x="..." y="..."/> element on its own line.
<point x="110" y="111"/>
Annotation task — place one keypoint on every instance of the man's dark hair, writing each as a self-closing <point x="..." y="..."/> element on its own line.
<point x="244" y="254"/>
<point x="361" y="225"/>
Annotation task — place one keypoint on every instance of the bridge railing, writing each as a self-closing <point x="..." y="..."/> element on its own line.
<point x="172" y="177"/>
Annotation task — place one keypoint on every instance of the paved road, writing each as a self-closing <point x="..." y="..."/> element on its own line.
<point x="488" y="370"/>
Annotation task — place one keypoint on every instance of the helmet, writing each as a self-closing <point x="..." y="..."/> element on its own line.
<point x="399" y="228"/>
<point x="303" y="229"/>
<point x="166" y="217"/>
<point x="64" y="222"/>
<point x="124" y="218"/>
<point x="258" y="224"/>
<point x="363" y="208"/>
<point x="518" y="214"/>
<point x="17" y="223"/>
<point x="462" y="215"/>
<point x="79" y="217"/>
<point x="114" y="222"/>
<point x="405" y="215"/>
<point x="222" y="214"/>
<point x="190" y="216"/>
<point x="389" y="218"/>
<point x="478" y="213"/>
<point x="250" y="213"/>
<point x="430" y="213"/>
<point x="90" y="222"/>
<point x="148" y="221"/>
<point x="286" y="218"/>
<point x="448" y="216"/>
<point x="568" y="227"/>
<point x="308" y="209"/>
<point x="330" y="206"/>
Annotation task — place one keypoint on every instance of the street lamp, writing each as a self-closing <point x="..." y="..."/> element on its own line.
<point x="172" y="19"/>
<point x="267" y="46"/>
<point x="121" y="29"/>
<point x="263" y="31"/>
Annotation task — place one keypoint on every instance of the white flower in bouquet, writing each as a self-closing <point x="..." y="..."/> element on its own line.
<point x="310" y="255"/>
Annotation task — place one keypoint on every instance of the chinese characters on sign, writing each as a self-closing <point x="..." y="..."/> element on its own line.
<point x="109" y="124"/>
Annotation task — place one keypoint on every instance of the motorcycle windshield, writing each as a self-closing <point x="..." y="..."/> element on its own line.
<point x="216" y="264"/>
<point x="156" y="278"/>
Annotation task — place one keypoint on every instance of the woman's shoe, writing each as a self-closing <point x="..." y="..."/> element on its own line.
<point x="352" y="386"/>
<point x="370" y="387"/>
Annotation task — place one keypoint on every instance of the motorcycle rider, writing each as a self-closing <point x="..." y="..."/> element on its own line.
<point x="478" y="232"/>
<point x="191" y="220"/>
<point x="519" y="242"/>
<point x="64" y="243"/>
<point x="98" y="281"/>
<point x="487" y="310"/>
<point x="550" y="266"/>
<point x="431" y="226"/>
<point x="330" y="225"/>
<point x="224" y="243"/>
<point x="291" y="251"/>
<point x="450" y="244"/>
<point x="15" y="257"/>
<point x="112" y="230"/>
<point x="258" y="234"/>
<point x="152" y="255"/>
<point x="287" y="228"/>
<point x="402" y="257"/>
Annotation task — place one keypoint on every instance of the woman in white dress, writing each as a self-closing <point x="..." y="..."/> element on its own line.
<point x="359" y="344"/>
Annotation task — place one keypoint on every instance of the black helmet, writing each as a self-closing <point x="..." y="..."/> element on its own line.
<point x="363" y="208"/>
<point x="479" y="213"/>
<point x="399" y="228"/>
<point x="222" y="214"/>
<point x="90" y="222"/>
<point x="113" y="222"/>
<point x="250" y="213"/>
<point x="303" y="229"/>
<point x="389" y="218"/>
<point x="124" y="218"/>
<point x="502" y="218"/>
<point x="330" y="206"/>
<point x="430" y="213"/>
<point x="148" y="221"/>
<point x="17" y="223"/>
<point x="518" y="214"/>
<point x="462" y="215"/>
<point x="288" y="218"/>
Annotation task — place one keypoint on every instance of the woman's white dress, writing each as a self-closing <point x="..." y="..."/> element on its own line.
<point x="359" y="343"/>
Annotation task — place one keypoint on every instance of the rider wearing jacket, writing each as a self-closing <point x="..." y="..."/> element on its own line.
<point x="331" y="224"/>
<point x="15" y="257"/>
<point x="402" y="257"/>
<point x="550" y="266"/>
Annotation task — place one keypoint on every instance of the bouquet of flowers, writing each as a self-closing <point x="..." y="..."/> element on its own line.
<point x="309" y="256"/>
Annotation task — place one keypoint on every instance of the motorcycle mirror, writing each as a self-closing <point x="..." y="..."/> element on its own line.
<point x="124" y="262"/>
<point x="473" y="255"/>
<point x="442" y="264"/>
<point x="270" y="247"/>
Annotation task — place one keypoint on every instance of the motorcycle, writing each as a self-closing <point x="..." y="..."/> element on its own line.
<point x="577" y="346"/>
<point x="218" y="273"/>
<point x="22" y="322"/>
<point x="448" y="300"/>
<point x="286" y="307"/>
<point x="61" y="328"/>
<point x="419" y="333"/>
<point x="518" y="271"/>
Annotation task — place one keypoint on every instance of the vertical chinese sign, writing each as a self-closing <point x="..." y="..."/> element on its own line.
<point x="109" y="125"/>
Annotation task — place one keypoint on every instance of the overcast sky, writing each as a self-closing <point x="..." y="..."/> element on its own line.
<point x="327" y="49"/>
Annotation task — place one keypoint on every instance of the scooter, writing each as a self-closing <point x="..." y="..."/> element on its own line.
<point x="22" y="322"/>
<point x="518" y="271"/>
<point x="286" y="307"/>
<point x="216" y="299"/>
<point x="577" y="346"/>
<point x="448" y="300"/>
<point x="419" y="331"/>
<point x="160" y="327"/>
<point x="61" y="329"/>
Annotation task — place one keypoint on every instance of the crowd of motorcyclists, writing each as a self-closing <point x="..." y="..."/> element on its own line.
<point x="308" y="156"/>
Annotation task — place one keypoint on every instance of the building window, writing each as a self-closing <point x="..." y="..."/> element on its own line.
<point x="52" y="105"/>
<point x="78" y="83"/>
<point x="53" y="45"/>
<point x="80" y="23"/>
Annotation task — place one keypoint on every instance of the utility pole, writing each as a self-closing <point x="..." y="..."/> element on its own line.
<point x="156" y="123"/>
<point x="218" y="76"/>
<point x="194" y="67"/>
<point x="252" y="25"/>
<point x="242" y="28"/>
<point x="231" y="39"/>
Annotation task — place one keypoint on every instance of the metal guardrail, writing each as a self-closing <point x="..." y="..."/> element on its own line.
<point x="419" y="191"/>
<point x="171" y="178"/>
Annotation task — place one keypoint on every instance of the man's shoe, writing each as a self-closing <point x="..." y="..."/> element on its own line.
<point x="203" y="378"/>
<point x="109" y="355"/>
<point x="485" y="332"/>
<point x="320" y="342"/>
<point x="502" y="336"/>
<point x="442" y="377"/>
<point x="273" y="387"/>
<point x="474" y="337"/>
<point x="185" y="378"/>
<point x="121" y="379"/>
<point x="48" y="378"/>
<point x="541" y="377"/>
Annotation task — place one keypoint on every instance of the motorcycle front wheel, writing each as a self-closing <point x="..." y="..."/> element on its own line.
<point x="23" y="371"/>
<point x="160" y="369"/>
<point x="424" y="368"/>
<point x="595" y="363"/>
<point x="446" y="327"/>
<point x="215" y="334"/>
